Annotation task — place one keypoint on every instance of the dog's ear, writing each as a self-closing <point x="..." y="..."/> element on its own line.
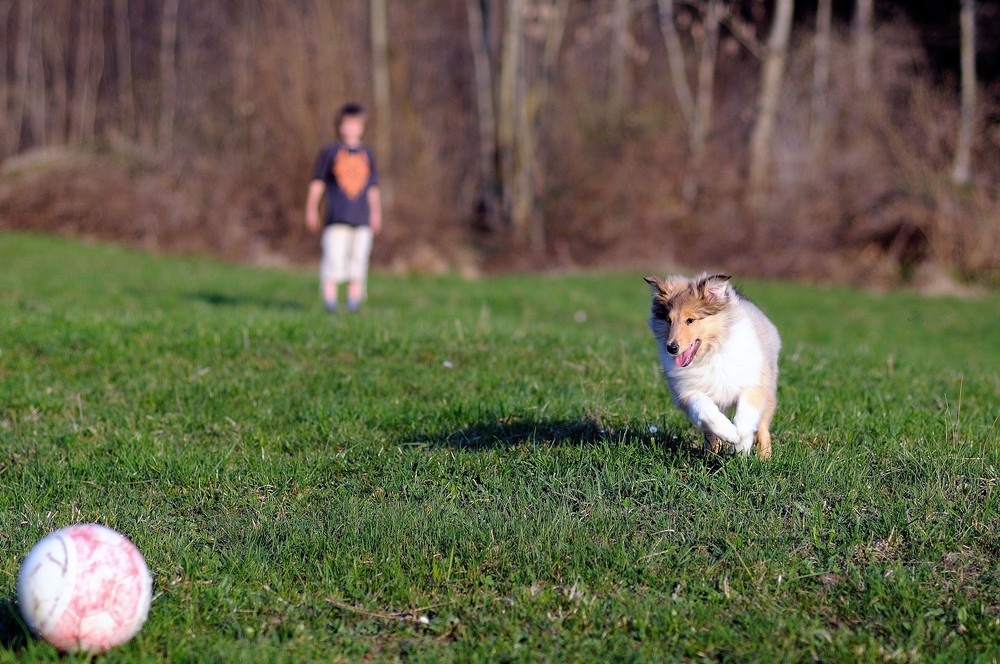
<point x="715" y="288"/>
<point x="664" y="288"/>
<point x="656" y="286"/>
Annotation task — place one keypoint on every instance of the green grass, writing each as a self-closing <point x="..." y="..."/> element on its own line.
<point x="468" y="470"/>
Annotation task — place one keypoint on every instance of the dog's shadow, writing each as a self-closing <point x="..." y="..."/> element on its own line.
<point x="583" y="432"/>
<point x="14" y="633"/>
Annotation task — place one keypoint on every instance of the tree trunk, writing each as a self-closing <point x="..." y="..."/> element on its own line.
<point x="528" y="222"/>
<point x="510" y="102"/>
<point x="123" y="57"/>
<point x="487" y="205"/>
<point x="383" y="104"/>
<point x="962" y="172"/>
<point x="864" y="45"/>
<point x="706" y="80"/>
<point x="616" y="65"/>
<point x="96" y="73"/>
<point x="696" y="107"/>
<point x="88" y="72"/>
<point x="22" y="67"/>
<point x="82" y="60"/>
<point x="245" y="51"/>
<point x="767" y="105"/>
<point x="676" y="61"/>
<point x="55" y="42"/>
<point x="523" y="92"/>
<point x="36" y="103"/>
<point x="168" y="74"/>
<point x="819" y="122"/>
<point x="5" y="8"/>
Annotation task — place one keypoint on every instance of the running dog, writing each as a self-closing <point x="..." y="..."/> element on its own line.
<point x="718" y="351"/>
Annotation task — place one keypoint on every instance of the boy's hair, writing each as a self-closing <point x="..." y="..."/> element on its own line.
<point x="350" y="110"/>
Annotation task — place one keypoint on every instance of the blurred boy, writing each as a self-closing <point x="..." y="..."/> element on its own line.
<point x="345" y="171"/>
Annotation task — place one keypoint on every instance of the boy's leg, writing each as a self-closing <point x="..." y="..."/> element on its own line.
<point x="333" y="268"/>
<point x="330" y="295"/>
<point x="361" y="248"/>
<point x="355" y="294"/>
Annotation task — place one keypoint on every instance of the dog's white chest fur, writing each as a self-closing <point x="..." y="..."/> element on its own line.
<point x="723" y="373"/>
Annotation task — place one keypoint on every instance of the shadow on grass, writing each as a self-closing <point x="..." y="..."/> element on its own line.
<point x="13" y="632"/>
<point x="553" y="433"/>
<point x="228" y="300"/>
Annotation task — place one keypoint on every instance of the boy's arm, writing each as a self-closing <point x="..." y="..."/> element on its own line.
<point x="375" y="208"/>
<point x="316" y="189"/>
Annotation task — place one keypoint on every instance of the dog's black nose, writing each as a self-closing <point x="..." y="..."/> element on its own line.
<point x="672" y="347"/>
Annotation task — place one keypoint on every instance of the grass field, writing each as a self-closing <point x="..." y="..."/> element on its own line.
<point x="492" y="470"/>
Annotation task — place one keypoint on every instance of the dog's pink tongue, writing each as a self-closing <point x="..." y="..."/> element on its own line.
<point x="685" y="358"/>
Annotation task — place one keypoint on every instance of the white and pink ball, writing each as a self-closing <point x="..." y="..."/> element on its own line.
<point x="84" y="588"/>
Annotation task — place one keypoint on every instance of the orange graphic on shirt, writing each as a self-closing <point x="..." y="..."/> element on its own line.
<point x="352" y="171"/>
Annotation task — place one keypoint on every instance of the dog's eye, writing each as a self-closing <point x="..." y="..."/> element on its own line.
<point x="689" y="321"/>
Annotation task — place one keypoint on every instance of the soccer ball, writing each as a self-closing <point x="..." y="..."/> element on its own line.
<point x="84" y="588"/>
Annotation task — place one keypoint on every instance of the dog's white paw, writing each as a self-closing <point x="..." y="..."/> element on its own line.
<point x="727" y="432"/>
<point x="744" y="447"/>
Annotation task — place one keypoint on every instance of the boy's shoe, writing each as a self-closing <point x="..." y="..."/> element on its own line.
<point x="353" y="307"/>
<point x="331" y="307"/>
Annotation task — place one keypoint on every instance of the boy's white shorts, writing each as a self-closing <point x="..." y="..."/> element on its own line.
<point x="345" y="253"/>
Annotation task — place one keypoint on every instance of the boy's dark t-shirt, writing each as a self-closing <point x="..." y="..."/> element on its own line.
<point x="348" y="174"/>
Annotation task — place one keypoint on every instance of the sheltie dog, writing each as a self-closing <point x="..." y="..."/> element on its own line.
<point x="718" y="351"/>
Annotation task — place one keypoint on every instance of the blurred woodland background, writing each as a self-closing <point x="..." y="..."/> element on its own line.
<point x="854" y="140"/>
